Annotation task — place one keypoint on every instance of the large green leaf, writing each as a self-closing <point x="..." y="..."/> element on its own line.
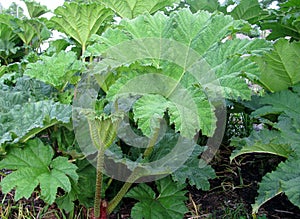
<point x="265" y="141"/>
<point x="24" y="121"/>
<point x="28" y="29"/>
<point x="280" y="67"/>
<point x="80" y="21"/>
<point x="132" y="8"/>
<point x="284" y="21"/>
<point x="249" y="10"/>
<point x="35" y="9"/>
<point x="192" y="39"/>
<point x="169" y="203"/>
<point x="285" y="101"/>
<point x="281" y="110"/>
<point x="285" y="179"/>
<point x="34" y="166"/>
<point x="208" y="5"/>
<point x="57" y="70"/>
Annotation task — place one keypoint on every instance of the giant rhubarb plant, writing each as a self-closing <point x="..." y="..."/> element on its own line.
<point x="165" y="44"/>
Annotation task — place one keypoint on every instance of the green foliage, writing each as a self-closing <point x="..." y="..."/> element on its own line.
<point x="249" y="10"/>
<point x="9" y="41"/>
<point x="265" y="141"/>
<point x="279" y="67"/>
<point x="284" y="179"/>
<point x="196" y="31"/>
<point x="23" y="121"/>
<point x="208" y="5"/>
<point x="34" y="166"/>
<point x="80" y="21"/>
<point x="196" y="176"/>
<point x="35" y="9"/>
<point x="209" y="63"/>
<point x="103" y="131"/>
<point x="58" y="70"/>
<point x="284" y="21"/>
<point x="168" y="203"/>
<point x="30" y="31"/>
<point x="283" y="141"/>
<point x="132" y="8"/>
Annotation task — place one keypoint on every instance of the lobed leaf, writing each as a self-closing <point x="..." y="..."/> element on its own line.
<point x="169" y="203"/>
<point x="280" y="67"/>
<point x="24" y="121"/>
<point x="57" y="70"/>
<point x="196" y="176"/>
<point x="264" y="141"/>
<point x="80" y="21"/>
<point x="34" y="166"/>
<point x="285" y="179"/>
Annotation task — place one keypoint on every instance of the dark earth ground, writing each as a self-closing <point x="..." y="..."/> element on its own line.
<point x="231" y="194"/>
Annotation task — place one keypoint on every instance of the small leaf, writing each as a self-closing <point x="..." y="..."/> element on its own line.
<point x="148" y="111"/>
<point x="168" y="204"/>
<point x="35" y="9"/>
<point x="196" y="176"/>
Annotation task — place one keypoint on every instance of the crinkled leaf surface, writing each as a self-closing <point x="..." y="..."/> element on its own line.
<point x="80" y="21"/>
<point x="284" y="21"/>
<point x="34" y="166"/>
<point x="169" y="203"/>
<point x="264" y="141"/>
<point x="132" y="8"/>
<point x="24" y="121"/>
<point x="193" y="39"/>
<point x="249" y="10"/>
<point x="196" y="176"/>
<point x="148" y="111"/>
<point x="283" y="142"/>
<point x="208" y="5"/>
<point x="285" y="101"/>
<point x="56" y="70"/>
<point x="280" y="68"/>
<point x="35" y="9"/>
<point x="284" y="179"/>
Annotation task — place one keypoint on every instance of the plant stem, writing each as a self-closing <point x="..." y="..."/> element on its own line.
<point x="151" y="144"/>
<point x="116" y="200"/>
<point x="135" y="175"/>
<point x="100" y="165"/>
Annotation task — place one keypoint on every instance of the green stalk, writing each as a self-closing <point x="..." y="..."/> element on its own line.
<point x="135" y="175"/>
<point x="116" y="200"/>
<point x="100" y="166"/>
<point x="151" y="144"/>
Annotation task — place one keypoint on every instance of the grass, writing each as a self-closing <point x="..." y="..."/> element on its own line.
<point x="29" y="209"/>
